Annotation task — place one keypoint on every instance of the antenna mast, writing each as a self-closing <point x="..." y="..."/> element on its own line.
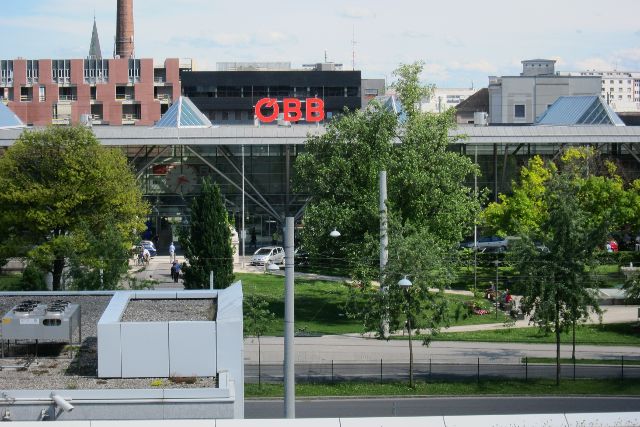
<point x="353" y="49"/>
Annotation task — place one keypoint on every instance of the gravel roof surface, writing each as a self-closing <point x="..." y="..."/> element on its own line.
<point x="169" y="310"/>
<point x="62" y="367"/>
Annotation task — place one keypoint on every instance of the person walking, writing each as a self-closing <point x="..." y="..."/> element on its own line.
<point x="172" y="252"/>
<point x="176" y="275"/>
<point x="173" y="271"/>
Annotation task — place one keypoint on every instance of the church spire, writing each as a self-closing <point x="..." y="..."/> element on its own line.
<point x="94" y="49"/>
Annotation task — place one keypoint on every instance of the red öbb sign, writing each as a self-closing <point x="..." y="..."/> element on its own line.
<point x="291" y="109"/>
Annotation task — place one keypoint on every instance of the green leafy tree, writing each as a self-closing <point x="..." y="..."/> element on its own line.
<point x="257" y="318"/>
<point x="557" y="282"/>
<point x="429" y="207"/>
<point x="207" y="241"/>
<point x="57" y="183"/>
<point x="426" y="189"/>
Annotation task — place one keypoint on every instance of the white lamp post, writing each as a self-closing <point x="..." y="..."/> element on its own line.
<point x="406" y="284"/>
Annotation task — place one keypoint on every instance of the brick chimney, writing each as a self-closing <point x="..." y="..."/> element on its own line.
<point x="124" y="29"/>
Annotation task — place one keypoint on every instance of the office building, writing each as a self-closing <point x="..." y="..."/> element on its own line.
<point x="520" y="100"/>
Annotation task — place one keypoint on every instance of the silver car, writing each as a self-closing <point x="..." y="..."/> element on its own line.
<point x="268" y="254"/>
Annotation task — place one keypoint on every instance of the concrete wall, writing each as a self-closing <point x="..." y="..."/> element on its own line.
<point x="536" y="93"/>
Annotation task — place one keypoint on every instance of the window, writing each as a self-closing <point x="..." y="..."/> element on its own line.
<point x="225" y="115"/>
<point x="519" y="111"/>
<point x="42" y="93"/>
<point x="238" y="115"/>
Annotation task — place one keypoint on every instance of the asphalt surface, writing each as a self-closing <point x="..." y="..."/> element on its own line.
<point x="441" y="406"/>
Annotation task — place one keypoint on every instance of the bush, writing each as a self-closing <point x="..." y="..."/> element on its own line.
<point x="32" y="279"/>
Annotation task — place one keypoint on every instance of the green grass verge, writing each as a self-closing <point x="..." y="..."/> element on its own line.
<point x="551" y="360"/>
<point x="319" y="305"/>
<point x="608" y="334"/>
<point x="10" y="282"/>
<point x="529" y="388"/>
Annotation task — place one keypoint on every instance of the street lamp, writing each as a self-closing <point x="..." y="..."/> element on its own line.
<point x="335" y="233"/>
<point x="405" y="284"/>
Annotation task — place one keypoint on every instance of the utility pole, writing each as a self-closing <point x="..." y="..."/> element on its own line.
<point x="384" y="242"/>
<point x="289" y="346"/>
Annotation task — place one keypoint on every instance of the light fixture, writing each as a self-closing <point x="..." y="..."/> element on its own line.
<point x="405" y="283"/>
<point x="334" y="233"/>
<point x="61" y="403"/>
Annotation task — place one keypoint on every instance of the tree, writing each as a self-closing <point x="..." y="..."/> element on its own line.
<point x="426" y="182"/>
<point x="570" y="206"/>
<point x="207" y="241"/>
<point x="557" y="290"/>
<point x="257" y="317"/>
<point x="429" y="207"/>
<point x="57" y="184"/>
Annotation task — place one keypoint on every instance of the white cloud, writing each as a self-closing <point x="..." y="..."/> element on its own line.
<point x="594" y="63"/>
<point x="356" y="12"/>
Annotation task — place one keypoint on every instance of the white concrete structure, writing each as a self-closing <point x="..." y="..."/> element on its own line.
<point x="444" y="98"/>
<point x="621" y="89"/>
<point x="521" y="99"/>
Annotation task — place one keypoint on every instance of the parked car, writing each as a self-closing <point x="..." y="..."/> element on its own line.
<point x="301" y="257"/>
<point x="491" y="244"/>
<point x="267" y="254"/>
<point x="148" y="245"/>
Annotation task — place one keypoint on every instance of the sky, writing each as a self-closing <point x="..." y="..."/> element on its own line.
<point x="461" y="42"/>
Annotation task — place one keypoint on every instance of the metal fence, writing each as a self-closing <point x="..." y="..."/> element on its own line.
<point x="479" y="369"/>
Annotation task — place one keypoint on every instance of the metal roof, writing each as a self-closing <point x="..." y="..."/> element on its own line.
<point x="183" y="114"/>
<point x="298" y="135"/>
<point x="8" y="119"/>
<point x="579" y="110"/>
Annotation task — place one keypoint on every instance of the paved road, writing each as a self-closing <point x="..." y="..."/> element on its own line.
<point x="346" y="348"/>
<point x="434" y="406"/>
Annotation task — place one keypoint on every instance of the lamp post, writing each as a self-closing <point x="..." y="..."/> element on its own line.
<point x="405" y="284"/>
<point x="289" y="349"/>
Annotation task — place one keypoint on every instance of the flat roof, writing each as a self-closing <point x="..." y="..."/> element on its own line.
<point x="65" y="366"/>
<point x="298" y="134"/>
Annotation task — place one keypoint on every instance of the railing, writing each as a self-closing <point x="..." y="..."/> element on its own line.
<point x="130" y="117"/>
<point x="42" y="98"/>
<point x="163" y="97"/>
<point x="473" y="369"/>
<point x="96" y="117"/>
<point x="124" y="97"/>
<point x="67" y="97"/>
<point x="159" y="79"/>
<point x="61" y="120"/>
<point x="26" y="98"/>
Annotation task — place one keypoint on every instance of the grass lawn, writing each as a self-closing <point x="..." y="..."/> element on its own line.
<point x="9" y="282"/>
<point x="609" y="334"/>
<point x="497" y="387"/>
<point x="319" y="305"/>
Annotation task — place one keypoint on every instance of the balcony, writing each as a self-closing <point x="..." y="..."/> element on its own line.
<point x="61" y="120"/>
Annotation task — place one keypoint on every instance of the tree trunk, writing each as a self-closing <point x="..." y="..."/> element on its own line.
<point x="259" y="365"/>
<point x="573" y="349"/>
<point x="410" y="355"/>
<point x="557" y="325"/>
<point x="58" y="268"/>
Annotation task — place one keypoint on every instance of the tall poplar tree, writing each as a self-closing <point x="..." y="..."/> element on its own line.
<point x="206" y="241"/>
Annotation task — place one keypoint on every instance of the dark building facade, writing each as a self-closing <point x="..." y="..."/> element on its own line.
<point x="229" y="97"/>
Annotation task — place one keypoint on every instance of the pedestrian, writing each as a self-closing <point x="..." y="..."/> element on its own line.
<point x="176" y="276"/>
<point x="173" y="271"/>
<point x="172" y="252"/>
<point x="253" y="237"/>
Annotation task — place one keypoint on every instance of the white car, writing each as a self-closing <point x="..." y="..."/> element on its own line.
<point x="274" y="254"/>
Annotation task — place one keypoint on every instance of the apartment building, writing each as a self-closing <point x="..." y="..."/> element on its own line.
<point x="119" y="91"/>
<point x="620" y="89"/>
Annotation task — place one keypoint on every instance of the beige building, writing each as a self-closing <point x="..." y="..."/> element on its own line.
<point x="521" y="99"/>
<point x="620" y="89"/>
